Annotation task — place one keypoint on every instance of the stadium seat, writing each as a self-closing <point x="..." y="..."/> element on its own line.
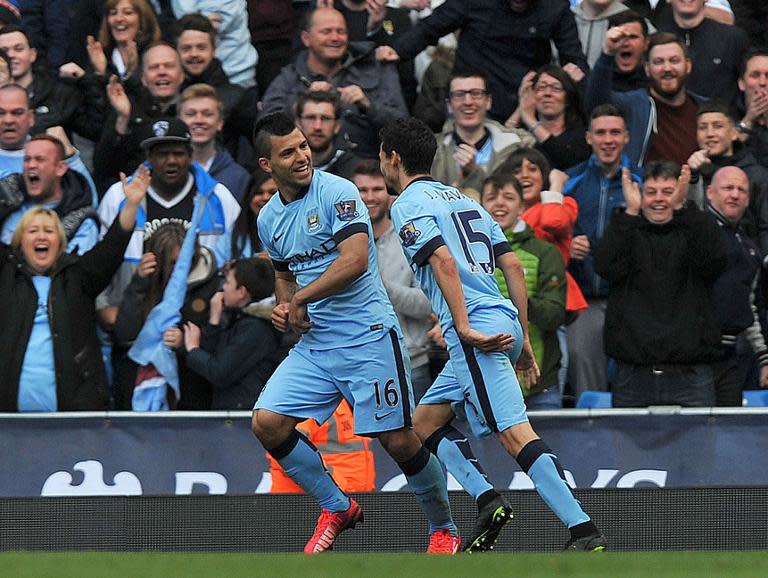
<point x="755" y="398"/>
<point x="595" y="399"/>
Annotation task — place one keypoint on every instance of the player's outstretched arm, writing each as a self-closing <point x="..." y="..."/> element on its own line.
<point x="447" y="277"/>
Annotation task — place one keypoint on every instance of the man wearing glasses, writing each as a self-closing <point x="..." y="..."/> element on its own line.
<point x="472" y="145"/>
<point x="318" y="116"/>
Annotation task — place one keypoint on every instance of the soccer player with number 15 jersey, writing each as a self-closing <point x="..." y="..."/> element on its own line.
<point x="454" y="247"/>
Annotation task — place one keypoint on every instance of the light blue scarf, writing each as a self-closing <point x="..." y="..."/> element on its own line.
<point x="151" y="394"/>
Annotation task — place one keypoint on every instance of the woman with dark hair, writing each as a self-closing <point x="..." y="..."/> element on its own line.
<point x="127" y="27"/>
<point x="245" y="242"/>
<point x="144" y="292"/>
<point x="549" y="106"/>
<point x="550" y="214"/>
<point x="552" y="217"/>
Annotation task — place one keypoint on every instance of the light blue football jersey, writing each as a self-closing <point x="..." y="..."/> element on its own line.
<point x="428" y="215"/>
<point x="303" y="237"/>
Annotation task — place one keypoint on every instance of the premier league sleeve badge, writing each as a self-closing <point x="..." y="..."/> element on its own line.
<point x="347" y="210"/>
<point x="408" y="234"/>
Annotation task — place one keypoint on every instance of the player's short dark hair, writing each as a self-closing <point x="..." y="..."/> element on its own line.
<point x="318" y="96"/>
<point x="194" y="21"/>
<point x="515" y="160"/>
<point x="661" y="170"/>
<point x="717" y="106"/>
<point x="661" y="38"/>
<point x="468" y="72"/>
<point x="413" y="140"/>
<point x="275" y="124"/>
<point x="627" y="17"/>
<point x="255" y="274"/>
<point x="498" y="179"/>
<point x="606" y="110"/>
<point x="368" y="167"/>
<point x="753" y="52"/>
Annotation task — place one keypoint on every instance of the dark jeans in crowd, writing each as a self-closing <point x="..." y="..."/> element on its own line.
<point x="644" y="385"/>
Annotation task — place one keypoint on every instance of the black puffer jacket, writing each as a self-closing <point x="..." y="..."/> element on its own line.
<point x="660" y="305"/>
<point x="60" y="103"/>
<point x="75" y="283"/>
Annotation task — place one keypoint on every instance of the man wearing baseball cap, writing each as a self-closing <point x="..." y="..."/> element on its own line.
<point x="176" y="180"/>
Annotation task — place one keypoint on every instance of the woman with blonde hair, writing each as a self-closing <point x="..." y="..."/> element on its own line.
<point x="50" y="356"/>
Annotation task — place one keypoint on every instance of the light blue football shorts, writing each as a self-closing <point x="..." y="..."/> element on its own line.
<point x="482" y="387"/>
<point x="374" y="378"/>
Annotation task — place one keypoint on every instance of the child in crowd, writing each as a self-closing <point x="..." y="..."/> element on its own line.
<point x="502" y="197"/>
<point x="238" y="349"/>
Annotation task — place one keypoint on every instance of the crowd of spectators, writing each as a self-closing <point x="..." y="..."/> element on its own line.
<point x="621" y="145"/>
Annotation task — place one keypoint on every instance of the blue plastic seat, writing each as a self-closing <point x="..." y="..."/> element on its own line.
<point x="595" y="399"/>
<point x="755" y="397"/>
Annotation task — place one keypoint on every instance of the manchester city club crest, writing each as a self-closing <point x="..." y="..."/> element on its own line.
<point x="409" y="233"/>
<point x="347" y="210"/>
<point x="160" y="128"/>
<point x="313" y="220"/>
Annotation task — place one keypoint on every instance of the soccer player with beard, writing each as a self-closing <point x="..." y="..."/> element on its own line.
<point x="454" y="247"/>
<point x="409" y="302"/>
<point x="661" y="118"/>
<point x="319" y="237"/>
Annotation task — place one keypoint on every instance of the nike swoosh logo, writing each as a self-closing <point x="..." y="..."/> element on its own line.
<point x="378" y="417"/>
<point x="276" y="238"/>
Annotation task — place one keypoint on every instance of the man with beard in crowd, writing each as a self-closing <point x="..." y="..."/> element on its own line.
<point x="662" y="118"/>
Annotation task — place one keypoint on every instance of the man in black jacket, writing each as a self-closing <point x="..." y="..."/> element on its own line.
<point x="661" y="258"/>
<point x="734" y="291"/>
<point x="504" y="38"/>
<point x="54" y="102"/>
<point x="196" y="44"/>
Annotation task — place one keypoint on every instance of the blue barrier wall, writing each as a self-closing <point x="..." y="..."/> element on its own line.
<point x="215" y="453"/>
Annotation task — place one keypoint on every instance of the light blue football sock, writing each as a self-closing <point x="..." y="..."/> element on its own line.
<point x="541" y="465"/>
<point x="426" y="478"/>
<point x="454" y="451"/>
<point x="302" y="462"/>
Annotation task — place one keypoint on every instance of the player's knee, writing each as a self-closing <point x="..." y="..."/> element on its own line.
<point x="401" y="444"/>
<point x="270" y="428"/>
<point x="515" y="438"/>
<point x="427" y="419"/>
